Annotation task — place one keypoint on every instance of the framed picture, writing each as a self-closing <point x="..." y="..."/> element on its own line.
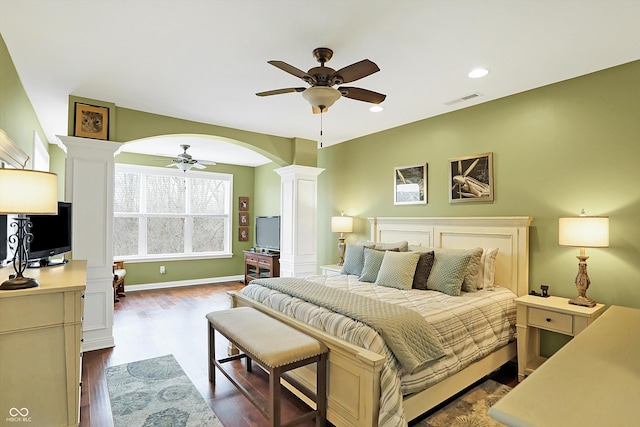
<point x="243" y="234"/>
<point x="243" y="219"/>
<point x="243" y="203"/>
<point x="471" y="178"/>
<point x="410" y="185"/>
<point x="91" y="121"/>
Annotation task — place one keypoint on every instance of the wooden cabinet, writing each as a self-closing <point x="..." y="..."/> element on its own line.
<point x="259" y="265"/>
<point x="40" y="347"/>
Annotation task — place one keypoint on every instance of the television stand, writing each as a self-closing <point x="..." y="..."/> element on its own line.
<point x="260" y="266"/>
<point x="47" y="262"/>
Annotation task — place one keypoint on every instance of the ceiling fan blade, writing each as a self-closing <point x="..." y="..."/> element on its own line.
<point x="279" y="91"/>
<point x="290" y="69"/>
<point x="362" y="94"/>
<point x="356" y="71"/>
<point x="199" y="166"/>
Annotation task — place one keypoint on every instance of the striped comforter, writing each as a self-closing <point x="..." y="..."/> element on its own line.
<point x="470" y="327"/>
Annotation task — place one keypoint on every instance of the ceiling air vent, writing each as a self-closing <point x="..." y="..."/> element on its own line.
<point x="463" y="98"/>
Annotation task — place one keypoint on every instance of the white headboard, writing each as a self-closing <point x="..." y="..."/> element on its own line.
<point x="509" y="234"/>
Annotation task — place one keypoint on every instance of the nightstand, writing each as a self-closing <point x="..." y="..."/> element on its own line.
<point x="551" y="314"/>
<point x="330" y="270"/>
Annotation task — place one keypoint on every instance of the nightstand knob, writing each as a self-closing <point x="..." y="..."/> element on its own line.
<point x="548" y="320"/>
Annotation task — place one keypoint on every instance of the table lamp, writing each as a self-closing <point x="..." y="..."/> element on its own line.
<point x="25" y="192"/>
<point x="583" y="232"/>
<point x="341" y="224"/>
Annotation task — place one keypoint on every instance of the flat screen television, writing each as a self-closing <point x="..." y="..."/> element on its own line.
<point x="268" y="232"/>
<point x="51" y="236"/>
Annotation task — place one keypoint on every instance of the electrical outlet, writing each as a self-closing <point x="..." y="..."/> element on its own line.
<point x="162" y="269"/>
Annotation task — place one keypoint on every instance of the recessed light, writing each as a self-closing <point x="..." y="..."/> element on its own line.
<point x="376" y="109"/>
<point x="478" y="72"/>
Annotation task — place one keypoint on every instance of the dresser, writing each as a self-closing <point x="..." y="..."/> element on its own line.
<point x="40" y="347"/>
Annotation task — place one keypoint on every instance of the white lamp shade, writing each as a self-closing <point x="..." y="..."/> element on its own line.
<point x="321" y="96"/>
<point x="341" y="224"/>
<point x="24" y="191"/>
<point x="584" y="231"/>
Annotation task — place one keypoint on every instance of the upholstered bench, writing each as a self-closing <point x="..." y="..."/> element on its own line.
<point x="276" y="347"/>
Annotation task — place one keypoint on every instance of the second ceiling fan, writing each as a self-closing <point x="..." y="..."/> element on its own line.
<point x="321" y="94"/>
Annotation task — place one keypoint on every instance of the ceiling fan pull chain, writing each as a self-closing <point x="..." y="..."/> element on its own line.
<point x="320" y="128"/>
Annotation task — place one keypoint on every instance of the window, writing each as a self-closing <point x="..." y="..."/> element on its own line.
<point x="166" y="214"/>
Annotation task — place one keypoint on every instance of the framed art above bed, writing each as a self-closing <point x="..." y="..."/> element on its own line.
<point x="410" y="185"/>
<point x="471" y="178"/>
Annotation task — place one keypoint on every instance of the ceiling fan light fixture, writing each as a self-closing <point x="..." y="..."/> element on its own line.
<point x="321" y="97"/>
<point x="183" y="166"/>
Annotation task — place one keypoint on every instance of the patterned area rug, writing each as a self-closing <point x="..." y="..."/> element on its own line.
<point x="470" y="409"/>
<point x="156" y="393"/>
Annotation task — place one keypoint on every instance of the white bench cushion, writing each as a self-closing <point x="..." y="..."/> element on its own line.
<point x="269" y="340"/>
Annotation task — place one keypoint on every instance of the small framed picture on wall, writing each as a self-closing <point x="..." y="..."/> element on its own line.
<point x="243" y="219"/>
<point x="91" y="121"/>
<point x="243" y="234"/>
<point x="243" y="203"/>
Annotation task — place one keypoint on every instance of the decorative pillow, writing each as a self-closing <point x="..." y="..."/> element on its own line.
<point x="470" y="282"/>
<point x="372" y="262"/>
<point x="353" y="260"/>
<point x="401" y="246"/>
<point x="397" y="269"/>
<point x="448" y="272"/>
<point x="423" y="269"/>
<point x="487" y="270"/>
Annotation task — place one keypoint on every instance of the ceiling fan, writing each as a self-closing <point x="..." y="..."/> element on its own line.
<point x="321" y="94"/>
<point x="185" y="162"/>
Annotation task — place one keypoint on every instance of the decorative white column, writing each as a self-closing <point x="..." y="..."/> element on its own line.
<point x="89" y="175"/>
<point x="298" y="220"/>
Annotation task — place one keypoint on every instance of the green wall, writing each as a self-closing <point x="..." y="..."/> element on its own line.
<point x="556" y="150"/>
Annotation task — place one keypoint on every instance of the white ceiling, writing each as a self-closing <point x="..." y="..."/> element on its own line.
<point x="204" y="60"/>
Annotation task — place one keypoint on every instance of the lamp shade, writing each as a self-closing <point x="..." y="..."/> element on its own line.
<point x="341" y="224"/>
<point x="321" y="96"/>
<point x="584" y="231"/>
<point x="24" y="191"/>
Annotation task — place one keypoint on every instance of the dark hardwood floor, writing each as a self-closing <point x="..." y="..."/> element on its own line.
<point x="172" y="321"/>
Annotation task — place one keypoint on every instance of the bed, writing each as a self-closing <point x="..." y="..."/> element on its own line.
<point x="359" y="376"/>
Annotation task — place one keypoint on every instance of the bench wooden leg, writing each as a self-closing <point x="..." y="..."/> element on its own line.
<point x="321" y="391"/>
<point x="212" y="355"/>
<point x="274" y="400"/>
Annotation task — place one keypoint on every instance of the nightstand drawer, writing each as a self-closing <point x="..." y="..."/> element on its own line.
<point x="551" y="321"/>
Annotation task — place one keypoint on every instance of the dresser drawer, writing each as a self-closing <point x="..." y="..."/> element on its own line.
<point x="550" y="320"/>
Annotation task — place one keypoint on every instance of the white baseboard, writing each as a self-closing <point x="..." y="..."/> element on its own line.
<point x="97" y="344"/>
<point x="180" y="283"/>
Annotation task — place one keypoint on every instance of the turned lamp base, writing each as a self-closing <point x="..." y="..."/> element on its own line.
<point x="19" y="283"/>
<point x="583" y="301"/>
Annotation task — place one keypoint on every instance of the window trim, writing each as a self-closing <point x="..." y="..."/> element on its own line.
<point x="227" y="252"/>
